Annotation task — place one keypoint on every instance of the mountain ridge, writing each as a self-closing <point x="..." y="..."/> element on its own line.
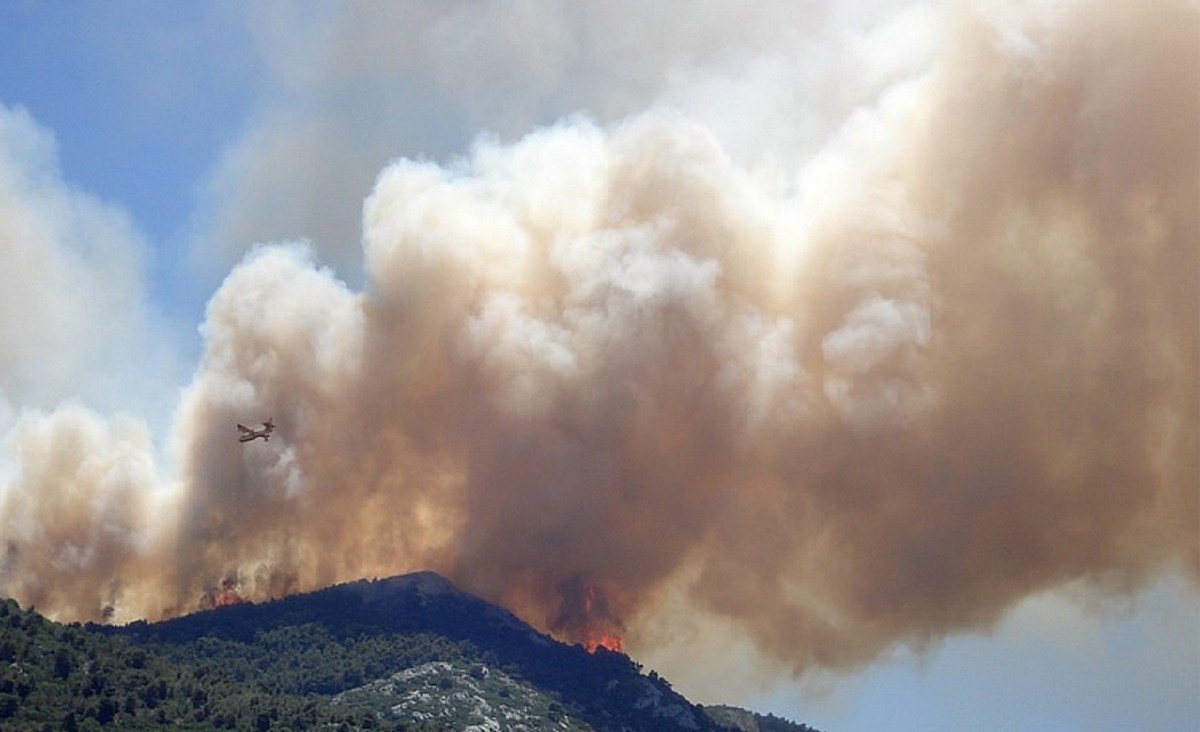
<point x="411" y="652"/>
<point x="590" y="684"/>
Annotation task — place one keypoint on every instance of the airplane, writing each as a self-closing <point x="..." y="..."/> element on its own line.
<point x="247" y="434"/>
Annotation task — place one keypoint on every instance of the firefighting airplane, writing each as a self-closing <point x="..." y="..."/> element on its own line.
<point x="247" y="434"/>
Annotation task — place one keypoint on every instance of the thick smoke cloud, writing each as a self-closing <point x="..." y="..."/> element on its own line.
<point x="77" y="491"/>
<point x="353" y="87"/>
<point x="949" y="363"/>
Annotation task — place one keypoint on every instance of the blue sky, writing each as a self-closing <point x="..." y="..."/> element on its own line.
<point x="141" y="99"/>
<point x="194" y="131"/>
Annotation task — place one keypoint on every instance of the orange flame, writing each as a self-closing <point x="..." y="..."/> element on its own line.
<point x="599" y="639"/>
<point x="227" y="595"/>
<point x="585" y="616"/>
<point x="594" y="636"/>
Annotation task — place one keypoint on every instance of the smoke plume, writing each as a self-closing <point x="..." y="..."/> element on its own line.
<point x="948" y="362"/>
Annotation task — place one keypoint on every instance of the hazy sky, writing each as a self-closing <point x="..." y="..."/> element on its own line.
<point x="846" y="352"/>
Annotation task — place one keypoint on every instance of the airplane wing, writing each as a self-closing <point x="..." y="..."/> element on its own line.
<point x="244" y="429"/>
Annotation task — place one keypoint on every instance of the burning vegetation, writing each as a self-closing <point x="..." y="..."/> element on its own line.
<point x="584" y="616"/>
<point x="225" y="594"/>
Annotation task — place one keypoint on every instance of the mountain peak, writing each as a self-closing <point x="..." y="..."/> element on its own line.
<point x="427" y="582"/>
<point x="606" y="688"/>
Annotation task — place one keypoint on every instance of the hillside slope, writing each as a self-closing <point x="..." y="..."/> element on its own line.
<point x="406" y="653"/>
<point x="606" y="690"/>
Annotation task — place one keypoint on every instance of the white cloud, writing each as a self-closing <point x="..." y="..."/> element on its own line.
<point x="73" y="321"/>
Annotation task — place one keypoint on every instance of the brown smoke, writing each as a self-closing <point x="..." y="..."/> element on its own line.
<point x="953" y="365"/>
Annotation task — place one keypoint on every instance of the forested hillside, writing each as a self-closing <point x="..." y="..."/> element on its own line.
<point x="65" y="677"/>
<point x="409" y="653"/>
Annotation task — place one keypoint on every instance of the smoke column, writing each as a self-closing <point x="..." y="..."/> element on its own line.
<point x="948" y="362"/>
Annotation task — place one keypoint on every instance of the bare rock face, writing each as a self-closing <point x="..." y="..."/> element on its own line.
<point x="732" y="717"/>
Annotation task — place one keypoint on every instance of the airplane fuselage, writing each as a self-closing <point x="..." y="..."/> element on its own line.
<point x="248" y="434"/>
